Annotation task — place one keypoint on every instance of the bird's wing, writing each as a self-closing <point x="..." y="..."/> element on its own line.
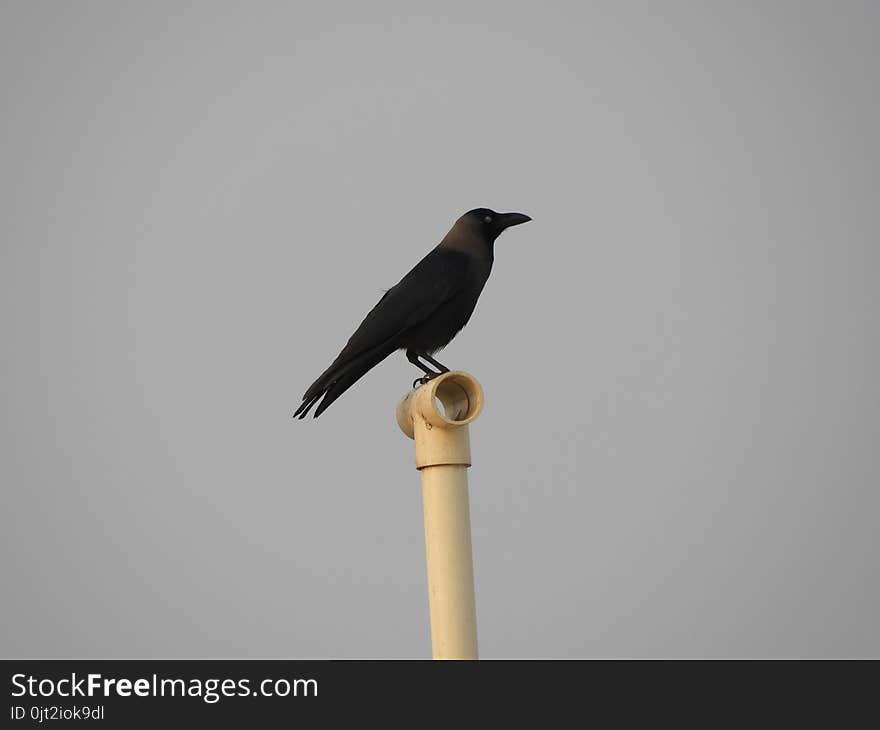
<point x="435" y="280"/>
<point x="431" y="283"/>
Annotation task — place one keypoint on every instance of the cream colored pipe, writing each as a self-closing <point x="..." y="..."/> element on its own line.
<point x="443" y="455"/>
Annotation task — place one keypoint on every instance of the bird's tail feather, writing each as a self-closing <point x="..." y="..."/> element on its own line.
<point x="339" y="378"/>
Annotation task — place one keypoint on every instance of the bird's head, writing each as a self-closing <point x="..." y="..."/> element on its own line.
<point x="482" y="225"/>
<point x="490" y="224"/>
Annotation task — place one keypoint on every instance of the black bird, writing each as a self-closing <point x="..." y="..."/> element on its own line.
<point x="423" y="311"/>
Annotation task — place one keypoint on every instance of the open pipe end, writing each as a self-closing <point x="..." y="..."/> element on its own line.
<point x="450" y="400"/>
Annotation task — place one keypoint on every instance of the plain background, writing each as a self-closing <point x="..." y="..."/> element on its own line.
<point x="679" y="451"/>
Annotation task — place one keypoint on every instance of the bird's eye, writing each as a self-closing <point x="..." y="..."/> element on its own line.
<point x="487" y="219"/>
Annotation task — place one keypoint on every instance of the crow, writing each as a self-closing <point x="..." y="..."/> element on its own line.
<point x="423" y="311"/>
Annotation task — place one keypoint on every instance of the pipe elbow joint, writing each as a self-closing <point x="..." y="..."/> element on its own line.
<point x="436" y="414"/>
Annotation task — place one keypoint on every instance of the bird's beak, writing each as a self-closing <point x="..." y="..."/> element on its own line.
<point x="506" y="220"/>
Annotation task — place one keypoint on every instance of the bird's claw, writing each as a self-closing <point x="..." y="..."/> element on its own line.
<point x="421" y="381"/>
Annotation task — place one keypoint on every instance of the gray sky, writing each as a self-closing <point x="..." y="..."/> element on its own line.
<point x="679" y="450"/>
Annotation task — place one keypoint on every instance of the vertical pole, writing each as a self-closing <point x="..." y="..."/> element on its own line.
<point x="443" y="456"/>
<point x="450" y="566"/>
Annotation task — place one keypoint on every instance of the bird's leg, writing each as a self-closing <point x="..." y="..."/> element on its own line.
<point x="439" y="365"/>
<point x="413" y="357"/>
